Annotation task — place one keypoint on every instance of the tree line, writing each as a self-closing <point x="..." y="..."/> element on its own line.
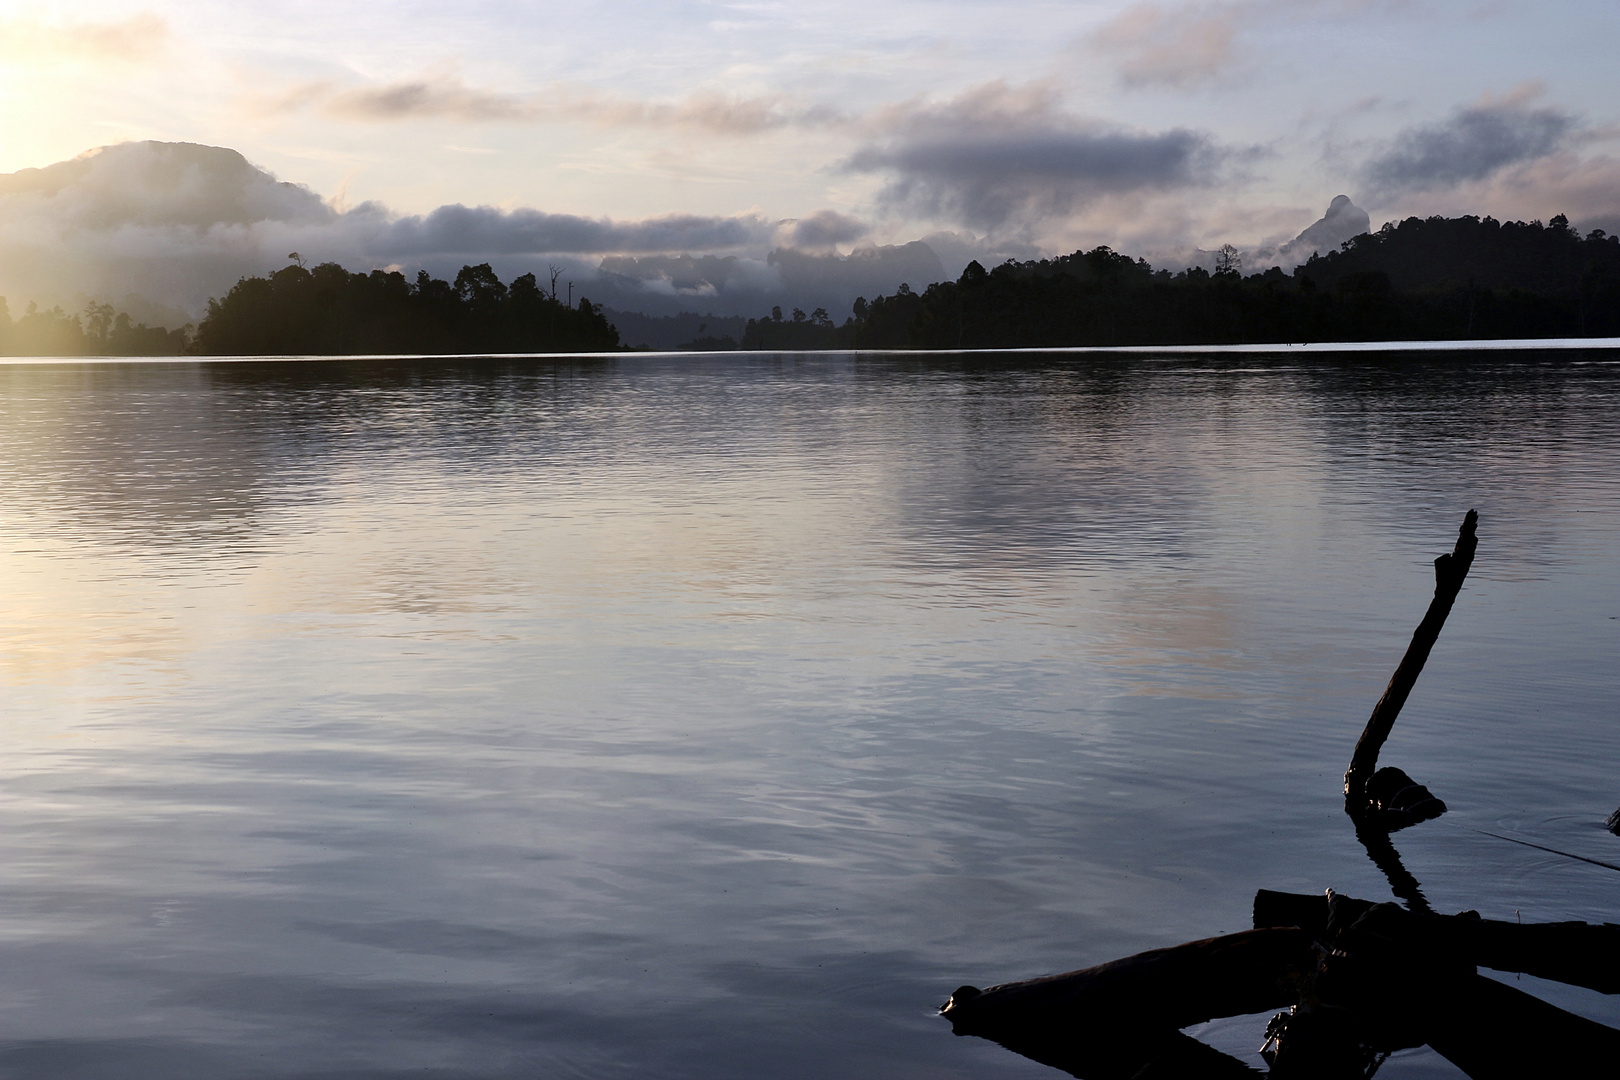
<point x="326" y="310"/>
<point x="98" y="331"/>
<point x="329" y="311"/>
<point x="1421" y="279"/>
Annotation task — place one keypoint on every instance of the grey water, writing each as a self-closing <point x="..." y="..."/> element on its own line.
<point x="716" y="716"/>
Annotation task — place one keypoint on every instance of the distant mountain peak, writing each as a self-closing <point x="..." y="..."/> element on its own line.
<point x="1343" y="220"/>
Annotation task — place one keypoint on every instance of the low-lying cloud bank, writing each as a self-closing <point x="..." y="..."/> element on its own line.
<point x="166" y="226"/>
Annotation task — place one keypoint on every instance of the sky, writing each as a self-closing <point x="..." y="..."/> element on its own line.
<point x="637" y="131"/>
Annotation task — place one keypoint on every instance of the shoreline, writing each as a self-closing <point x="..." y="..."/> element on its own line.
<point x="1267" y="348"/>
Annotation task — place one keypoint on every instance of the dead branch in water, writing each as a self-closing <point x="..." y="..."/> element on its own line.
<point x="1449" y="572"/>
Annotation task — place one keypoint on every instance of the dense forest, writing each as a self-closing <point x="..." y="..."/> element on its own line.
<point x="99" y="331"/>
<point x="329" y="311"/>
<point x="1434" y="279"/>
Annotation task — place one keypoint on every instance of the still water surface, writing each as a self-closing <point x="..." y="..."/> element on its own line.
<point x="715" y="717"/>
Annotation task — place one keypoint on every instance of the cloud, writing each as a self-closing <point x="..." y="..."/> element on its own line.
<point x="29" y="41"/>
<point x="999" y="156"/>
<point x="177" y="224"/>
<point x="720" y="113"/>
<point x="824" y="229"/>
<point x="1194" y="43"/>
<point x="482" y="231"/>
<point x="1472" y="144"/>
<point x="448" y="97"/>
<point x="155" y="185"/>
<point x="740" y="285"/>
<point x="419" y="98"/>
<point x="180" y="223"/>
<point x="1153" y="46"/>
<point x="1587" y="189"/>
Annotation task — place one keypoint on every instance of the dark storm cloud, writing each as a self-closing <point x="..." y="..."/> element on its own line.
<point x="1472" y="145"/>
<point x="999" y="155"/>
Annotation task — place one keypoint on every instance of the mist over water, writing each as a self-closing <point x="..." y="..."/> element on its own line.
<point x="717" y="716"/>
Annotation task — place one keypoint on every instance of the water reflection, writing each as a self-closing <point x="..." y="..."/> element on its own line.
<point x="705" y="717"/>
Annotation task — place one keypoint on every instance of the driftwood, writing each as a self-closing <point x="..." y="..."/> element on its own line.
<point x="1494" y="1032"/>
<point x="1387" y="978"/>
<point x="1238" y="973"/>
<point x="1359" y="979"/>
<point x="1577" y="953"/>
<point x="1366" y="793"/>
<point x="1119" y="1018"/>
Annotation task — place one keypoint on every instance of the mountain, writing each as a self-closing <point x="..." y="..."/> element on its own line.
<point x="1343" y="221"/>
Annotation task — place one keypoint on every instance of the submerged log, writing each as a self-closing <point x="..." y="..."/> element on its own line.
<point x="1247" y="972"/>
<point x="1119" y="1018"/>
<point x="1140" y="1052"/>
<point x="1495" y="1032"/>
<point x="1575" y="953"/>
<point x="1390" y="978"/>
<point x="1362" y="979"/>
<point x="1449" y="572"/>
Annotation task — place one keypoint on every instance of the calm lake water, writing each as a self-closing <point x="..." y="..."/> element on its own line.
<point x="715" y="717"/>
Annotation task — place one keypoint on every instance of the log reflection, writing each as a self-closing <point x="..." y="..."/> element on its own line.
<point x="1381" y="850"/>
